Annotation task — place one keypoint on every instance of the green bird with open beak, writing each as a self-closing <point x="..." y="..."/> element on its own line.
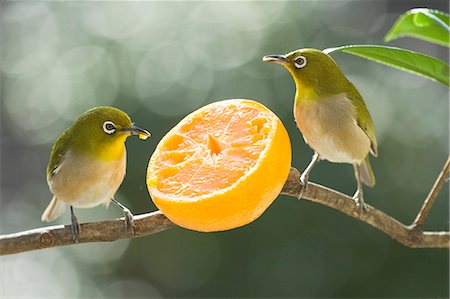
<point x="331" y="114"/>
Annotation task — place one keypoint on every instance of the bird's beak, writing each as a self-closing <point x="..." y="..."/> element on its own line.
<point x="280" y="59"/>
<point x="133" y="130"/>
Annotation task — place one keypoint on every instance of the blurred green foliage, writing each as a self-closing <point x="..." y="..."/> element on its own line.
<point x="161" y="60"/>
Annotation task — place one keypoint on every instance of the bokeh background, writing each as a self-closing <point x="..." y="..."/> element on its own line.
<point x="161" y="60"/>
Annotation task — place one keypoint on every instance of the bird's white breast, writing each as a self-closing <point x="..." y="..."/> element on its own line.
<point x="84" y="181"/>
<point x="329" y="126"/>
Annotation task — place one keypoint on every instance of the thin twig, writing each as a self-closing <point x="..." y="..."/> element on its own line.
<point x="151" y="223"/>
<point x="440" y="181"/>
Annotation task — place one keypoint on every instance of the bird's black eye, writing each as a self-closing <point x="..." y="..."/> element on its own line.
<point x="109" y="127"/>
<point x="300" y="62"/>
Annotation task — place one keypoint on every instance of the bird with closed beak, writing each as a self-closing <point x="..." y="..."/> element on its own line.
<point x="331" y="114"/>
<point x="88" y="162"/>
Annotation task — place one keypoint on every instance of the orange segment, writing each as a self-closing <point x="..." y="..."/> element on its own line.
<point x="221" y="166"/>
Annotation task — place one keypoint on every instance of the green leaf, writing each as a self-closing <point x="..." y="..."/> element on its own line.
<point x="422" y="23"/>
<point x="418" y="63"/>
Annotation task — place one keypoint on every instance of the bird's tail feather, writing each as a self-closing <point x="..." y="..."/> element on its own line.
<point x="54" y="210"/>
<point x="366" y="173"/>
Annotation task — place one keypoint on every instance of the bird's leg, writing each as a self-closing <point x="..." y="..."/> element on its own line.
<point x="305" y="175"/>
<point x="75" y="226"/>
<point x="358" y="197"/>
<point x="129" y="222"/>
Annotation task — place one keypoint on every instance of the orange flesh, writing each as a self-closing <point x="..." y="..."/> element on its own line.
<point x="212" y="150"/>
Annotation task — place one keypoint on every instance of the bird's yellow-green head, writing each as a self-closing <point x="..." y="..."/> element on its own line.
<point x="102" y="131"/>
<point x="315" y="73"/>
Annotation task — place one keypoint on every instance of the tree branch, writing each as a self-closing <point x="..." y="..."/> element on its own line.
<point x="101" y="231"/>
<point x="415" y="238"/>
<point x="151" y="223"/>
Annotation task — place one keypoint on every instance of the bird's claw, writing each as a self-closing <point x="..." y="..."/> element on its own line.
<point x="360" y="204"/>
<point x="75" y="229"/>
<point x="129" y="220"/>
<point x="303" y="183"/>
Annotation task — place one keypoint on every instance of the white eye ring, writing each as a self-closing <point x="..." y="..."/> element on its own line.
<point x="109" y="127"/>
<point x="300" y="62"/>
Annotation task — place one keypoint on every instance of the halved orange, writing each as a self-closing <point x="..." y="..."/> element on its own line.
<point x="221" y="166"/>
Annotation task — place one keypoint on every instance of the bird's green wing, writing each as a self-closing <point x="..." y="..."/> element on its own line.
<point x="364" y="119"/>
<point x="58" y="151"/>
